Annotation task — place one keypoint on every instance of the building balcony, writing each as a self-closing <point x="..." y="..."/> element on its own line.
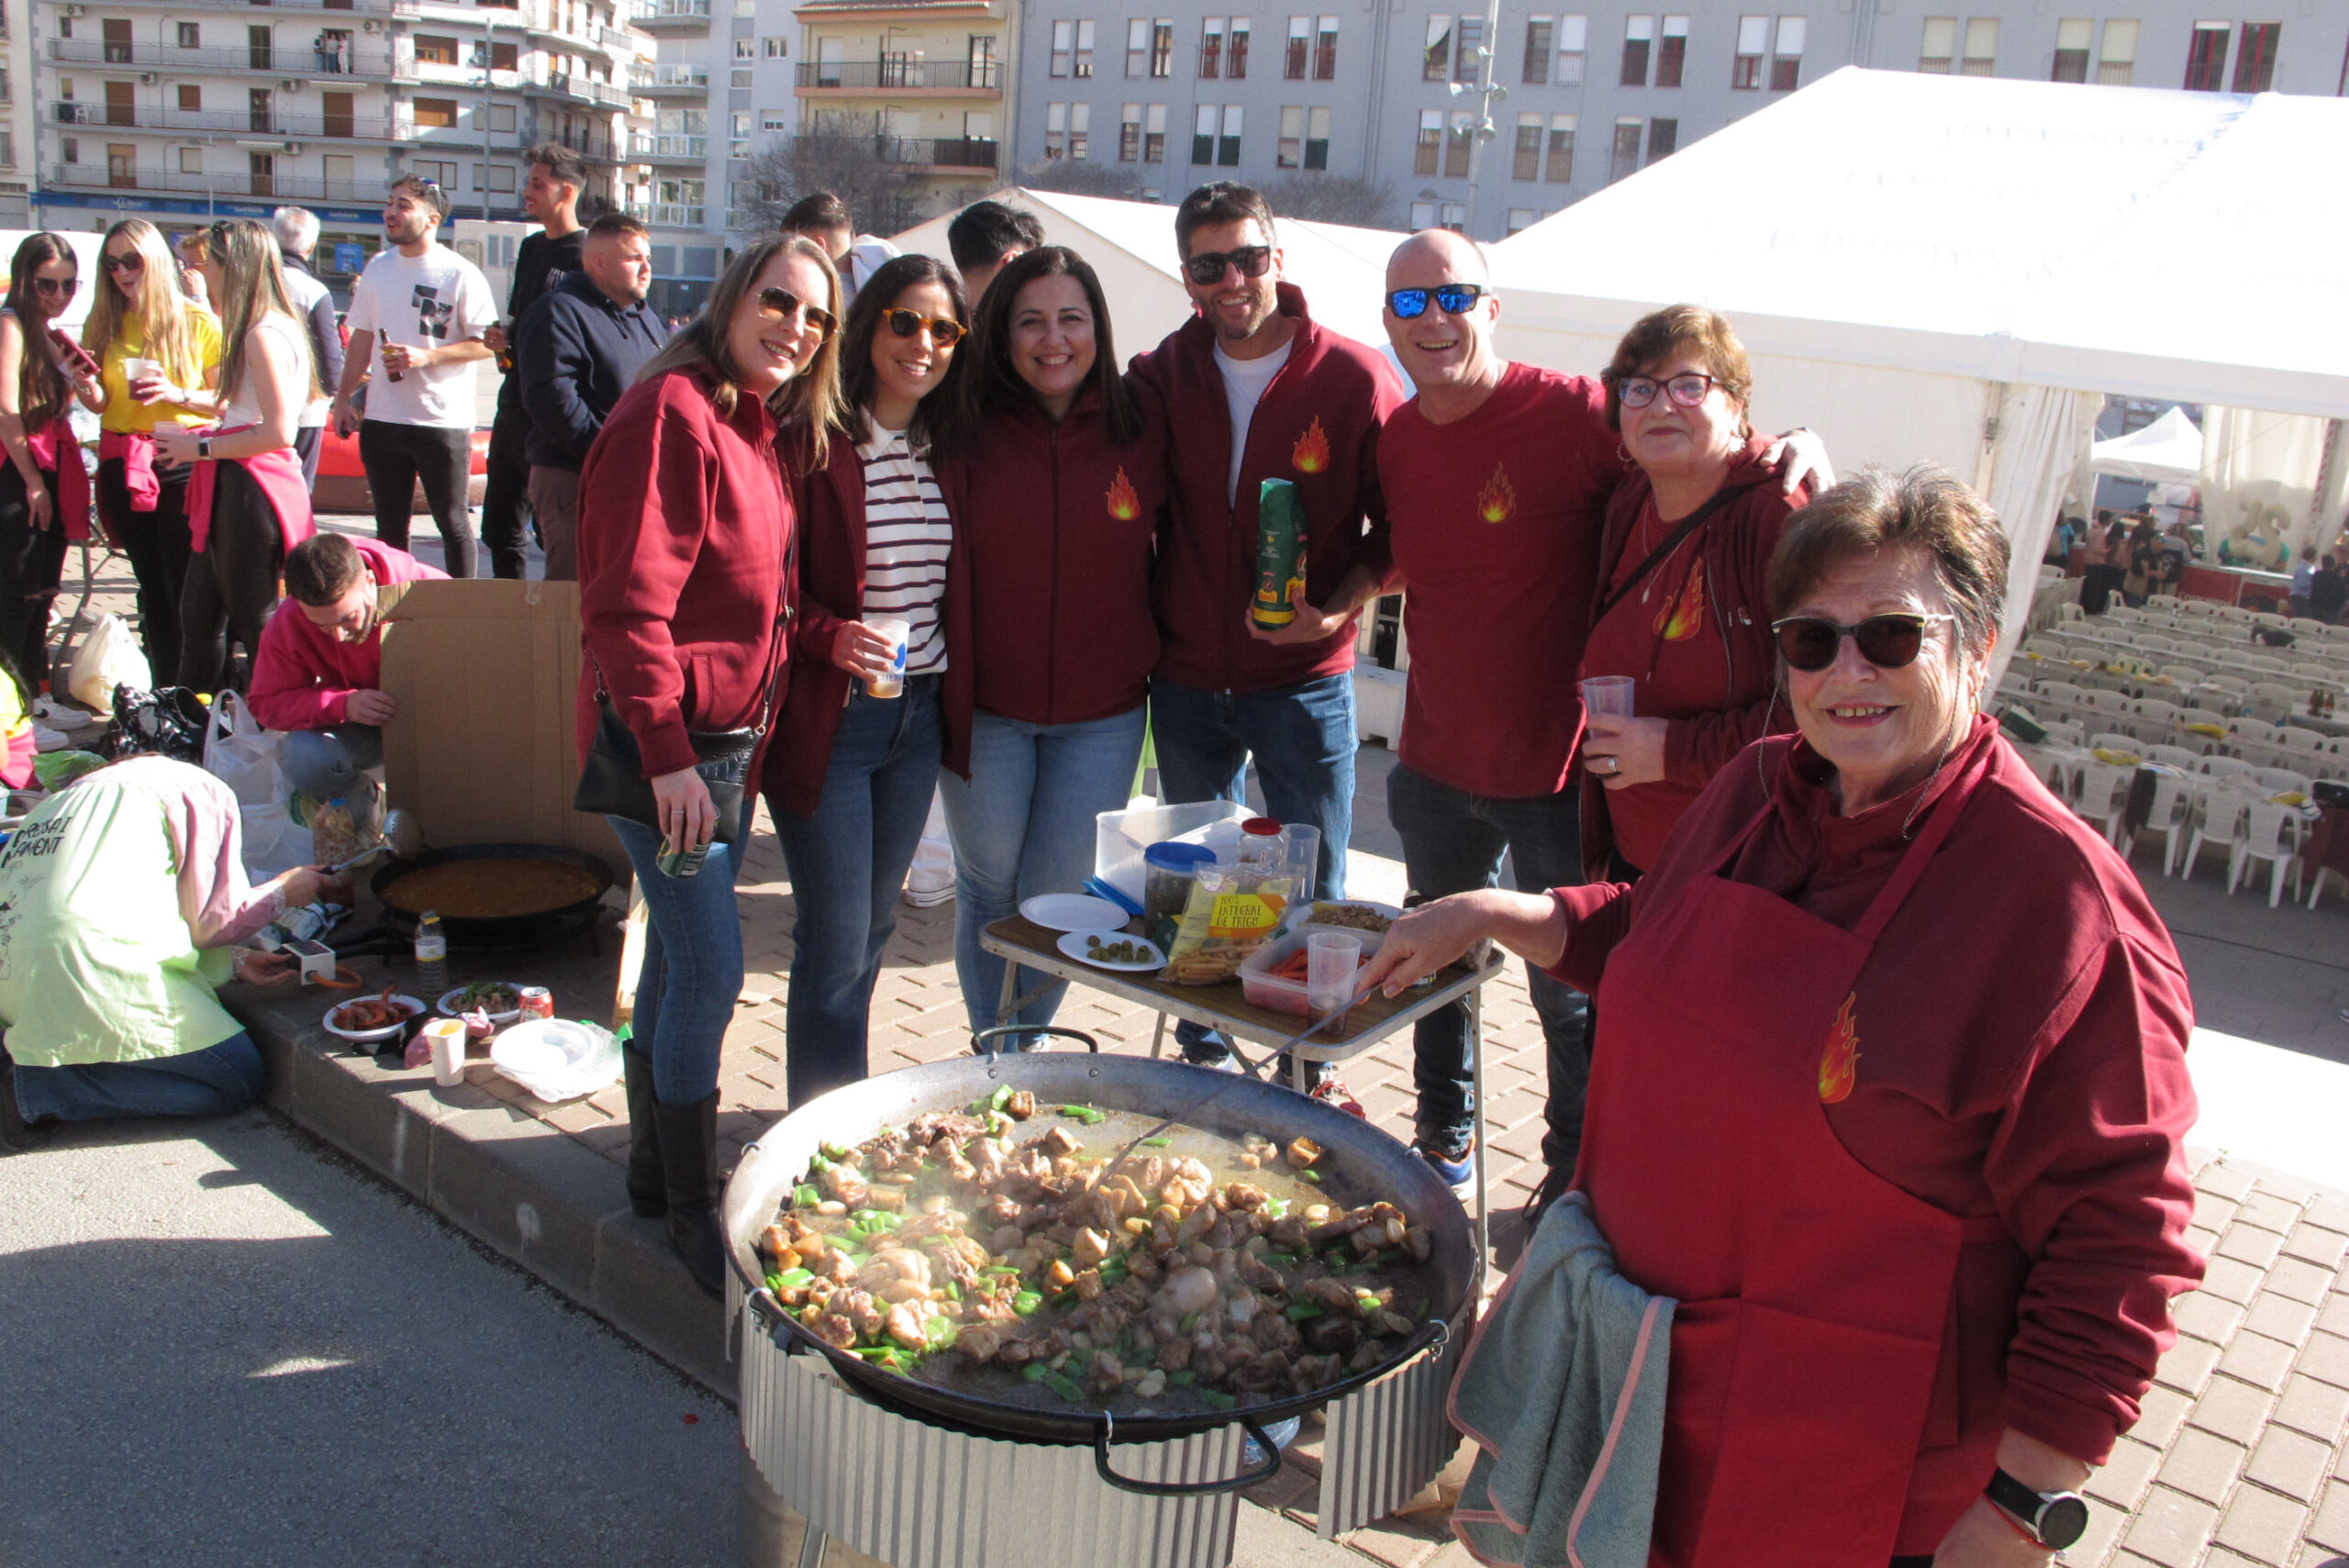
<point x="667" y="214"/>
<point x="669" y="148"/>
<point x="674" y="80"/>
<point x="337" y="7"/>
<point x="361" y="63"/>
<point x="941" y="155"/>
<point x="256" y="123"/>
<point x="901" y="73"/>
<point x="563" y="84"/>
<point x="238" y="184"/>
<point x="671" y="16"/>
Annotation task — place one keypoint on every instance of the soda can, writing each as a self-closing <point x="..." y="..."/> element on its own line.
<point x="537" y="1002"/>
<point x="681" y="864"/>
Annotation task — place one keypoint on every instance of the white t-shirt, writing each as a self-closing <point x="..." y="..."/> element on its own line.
<point x="305" y="292"/>
<point x="907" y="537"/>
<point x="1244" y="387"/>
<point x="287" y="343"/>
<point x="433" y="300"/>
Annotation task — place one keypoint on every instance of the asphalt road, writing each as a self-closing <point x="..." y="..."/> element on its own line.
<point x="222" y="1344"/>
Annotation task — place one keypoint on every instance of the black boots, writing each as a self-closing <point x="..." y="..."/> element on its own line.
<point x="688" y="1139"/>
<point x="646" y="1195"/>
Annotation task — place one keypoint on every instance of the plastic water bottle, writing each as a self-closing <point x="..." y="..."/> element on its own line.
<point x="431" y="958"/>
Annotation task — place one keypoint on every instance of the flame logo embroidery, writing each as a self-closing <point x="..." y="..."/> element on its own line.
<point x="1839" y="1064"/>
<point x="1684" y="616"/>
<point x="1124" y="505"/>
<point x="1498" y="500"/>
<point x="1311" y="453"/>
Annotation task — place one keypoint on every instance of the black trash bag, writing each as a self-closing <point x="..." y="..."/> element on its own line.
<point x="165" y="723"/>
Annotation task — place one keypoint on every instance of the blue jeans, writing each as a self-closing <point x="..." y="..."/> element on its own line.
<point x="1023" y="825"/>
<point x="1303" y="740"/>
<point x="848" y="859"/>
<point x="212" y="1082"/>
<point x="693" y="959"/>
<point x="1451" y="843"/>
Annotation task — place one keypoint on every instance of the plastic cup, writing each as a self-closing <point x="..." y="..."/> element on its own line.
<point x="136" y="370"/>
<point x="1331" y="959"/>
<point x="1303" y="858"/>
<point x="893" y="683"/>
<point x="1609" y="694"/>
<point x="448" y="1037"/>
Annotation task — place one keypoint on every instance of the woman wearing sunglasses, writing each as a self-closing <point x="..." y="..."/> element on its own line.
<point x="44" y="491"/>
<point x="684" y="592"/>
<point x="140" y="316"/>
<point x="1889" y="1094"/>
<point x="1682" y="566"/>
<point x="247" y="504"/>
<point x="849" y="779"/>
<point x="1056" y="473"/>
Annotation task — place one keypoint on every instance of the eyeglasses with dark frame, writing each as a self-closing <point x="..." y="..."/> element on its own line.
<point x="1809" y="643"/>
<point x="782" y="305"/>
<point x="127" y="261"/>
<point x="1206" y="269"/>
<point x="944" y="330"/>
<point x="1686" y="390"/>
<point x="1455" y="299"/>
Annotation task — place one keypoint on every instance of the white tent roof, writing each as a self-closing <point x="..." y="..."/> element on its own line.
<point x="1131" y="246"/>
<point x="2169" y="448"/>
<point x="2114" y="239"/>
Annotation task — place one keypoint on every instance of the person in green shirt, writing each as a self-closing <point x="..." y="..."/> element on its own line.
<point x="123" y="899"/>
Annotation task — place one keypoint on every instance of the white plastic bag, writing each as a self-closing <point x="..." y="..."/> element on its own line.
<point x="557" y="1059"/>
<point x="109" y="656"/>
<point x="244" y="756"/>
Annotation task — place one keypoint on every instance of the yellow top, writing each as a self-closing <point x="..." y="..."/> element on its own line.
<point x="124" y="412"/>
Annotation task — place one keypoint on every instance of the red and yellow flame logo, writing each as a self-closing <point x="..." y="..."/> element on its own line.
<point x="1684" y="616"/>
<point x="1311" y="453"/>
<point x="1839" y="1064"/>
<point x="1124" y="505"/>
<point x="1498" y="500"/>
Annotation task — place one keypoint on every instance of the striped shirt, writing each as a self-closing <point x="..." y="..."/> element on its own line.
<point x="907" y="537"/>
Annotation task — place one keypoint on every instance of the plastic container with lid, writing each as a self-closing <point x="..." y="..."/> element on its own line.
<point x="1170" y="871"/>
<point x="1260" y="843"/>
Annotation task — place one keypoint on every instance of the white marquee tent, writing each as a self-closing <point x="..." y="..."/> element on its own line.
<point x="2169" y="448"/>
<point x="1958" y="268"/>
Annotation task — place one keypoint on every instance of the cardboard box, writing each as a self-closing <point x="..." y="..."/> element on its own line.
<point x="483" y="749"/>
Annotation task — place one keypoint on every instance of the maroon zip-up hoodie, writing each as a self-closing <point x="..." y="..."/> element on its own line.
<point x="1317" y="426"/>
<point x="1059" y="528"/>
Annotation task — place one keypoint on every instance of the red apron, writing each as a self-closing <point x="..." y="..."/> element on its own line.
<point x="1812" y="1292"/>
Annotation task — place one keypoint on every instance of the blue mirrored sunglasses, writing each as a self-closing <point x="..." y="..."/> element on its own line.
<point x="1454" y="298"/>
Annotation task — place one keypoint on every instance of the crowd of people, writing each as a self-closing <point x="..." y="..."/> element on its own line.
<point x="1897" y="1131"/>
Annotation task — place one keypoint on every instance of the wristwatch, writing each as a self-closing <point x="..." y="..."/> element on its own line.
<point x="2055" y="1518"/>
<point x="204" y="448"/>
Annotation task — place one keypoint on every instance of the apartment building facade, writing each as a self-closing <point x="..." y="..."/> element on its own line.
<point x="183" y="112"/>
<point x="16" y="114"/>
<point x="1394" y="94"/>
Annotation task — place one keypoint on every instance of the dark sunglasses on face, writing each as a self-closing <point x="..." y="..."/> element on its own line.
<point x="1686" y="390"/>
<point x="1207" y="267"/>
<point x="129" y="262"/>
<point x="1455" y="298"/>
<point x="56" y="288"/>
<point x="782" y="305"/>
<point x="1809" y="643"/>
<point x="945" y="331"/>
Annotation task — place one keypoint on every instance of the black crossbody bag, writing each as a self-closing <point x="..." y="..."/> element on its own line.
<point x="1688" y="525"/>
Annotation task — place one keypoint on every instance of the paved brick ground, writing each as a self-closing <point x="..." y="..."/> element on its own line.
<point x="2241" y="1456"/>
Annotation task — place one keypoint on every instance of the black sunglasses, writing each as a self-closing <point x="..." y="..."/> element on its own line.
<point x="1686" y="390"/>
<point x="1454" y="298"/>
<point x="56" y="288"/>
<point x="944" y="330"/>
<point x="782" y="305"/>
<point x="129" y="262"/>
<point x="1207" y="267"/>
<point x="1809" y="643"/>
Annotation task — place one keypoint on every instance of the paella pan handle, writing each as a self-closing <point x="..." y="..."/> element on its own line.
<point x="1272" y="1467"/>
<point x="988" y="1042"/>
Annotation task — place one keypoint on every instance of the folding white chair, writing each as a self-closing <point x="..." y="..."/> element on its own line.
<point x="2270" y="834"/>
<point x="2175" y="756"/>
<point x="2218" y="813"/>
<point x="2280" y="781"/>
<point x="2104" y="796"/>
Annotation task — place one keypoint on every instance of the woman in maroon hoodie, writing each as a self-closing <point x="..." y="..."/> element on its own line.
<point x="1682" y="565"/>
<point x="1054" y="470"/>
<point x="684" y="544"/>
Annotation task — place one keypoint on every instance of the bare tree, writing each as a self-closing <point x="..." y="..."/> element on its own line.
<point x="837" y="155"/>
<point x="1083" y="178"/>
<point x="1332" y="198"/>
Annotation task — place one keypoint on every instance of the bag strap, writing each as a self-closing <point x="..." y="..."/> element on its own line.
<point x="783" y="618"/>
<point x="1688" y="525"/>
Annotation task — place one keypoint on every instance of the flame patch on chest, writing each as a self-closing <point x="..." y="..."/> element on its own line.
<point x="1839" y="1064"/>
<point x="1123" y="503"/>
<point x="1684" y="614"/>
<point x="1311" y="453"/>
<point x="1496" y="502"/>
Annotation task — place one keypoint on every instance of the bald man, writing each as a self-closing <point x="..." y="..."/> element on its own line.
<point x="1497" y="477"/>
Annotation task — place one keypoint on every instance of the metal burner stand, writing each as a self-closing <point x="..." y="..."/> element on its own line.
<point x="918" y="1494"/>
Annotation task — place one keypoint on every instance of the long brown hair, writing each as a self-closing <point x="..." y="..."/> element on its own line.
<point x="253" y="285"/>
<point x="42" y="390"/>
<point x="814" y="394"/>
<point x="993" y="380"/>
<point x="166" y="317"/>
<point x="859" y="380"/>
